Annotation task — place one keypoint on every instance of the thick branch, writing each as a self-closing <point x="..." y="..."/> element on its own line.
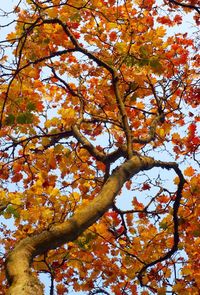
<point x="18" y="263"/>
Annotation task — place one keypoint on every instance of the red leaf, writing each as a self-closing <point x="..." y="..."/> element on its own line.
<point x="113" y="36"/>
<point x="178" y="19"/>
<point x="128" y="184"/>
<point x="146" y="186"/>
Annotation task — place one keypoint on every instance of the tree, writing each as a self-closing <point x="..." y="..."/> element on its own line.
<point x="98" y="102"/>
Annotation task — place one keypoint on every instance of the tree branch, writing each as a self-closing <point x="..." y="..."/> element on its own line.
<point x="112" y="72"/>
<point x="77" y="46"/>
<point x="18" y="261"/>
<point x="123" y="115"/>
<point x="197" y="8"/>
<point x="87" y="145"/>
<point x="174" y="166"/>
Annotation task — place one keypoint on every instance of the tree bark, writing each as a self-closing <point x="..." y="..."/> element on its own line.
<point x="22" y="281"/>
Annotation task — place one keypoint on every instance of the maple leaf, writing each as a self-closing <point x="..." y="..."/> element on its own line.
<point x="189" y="171"/>
<point x="146" y="186"/>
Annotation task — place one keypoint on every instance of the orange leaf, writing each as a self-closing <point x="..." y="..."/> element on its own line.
<point x="189" y="171"/>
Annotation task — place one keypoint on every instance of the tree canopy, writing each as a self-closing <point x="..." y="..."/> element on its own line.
<point x="99" y="183"/>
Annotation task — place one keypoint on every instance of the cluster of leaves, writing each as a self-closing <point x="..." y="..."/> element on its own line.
<point x="91" y="84"/>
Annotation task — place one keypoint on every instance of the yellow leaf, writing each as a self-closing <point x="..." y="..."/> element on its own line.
<point x="63" y="198"/>
<point x="55" y="192"/>
<point x="45" y="141"/>
<point x="161" y="132"/>
<point x="67" y="113"/>
<point x="25" y="214"/>
<point x="7" y="215"/>
<point x="160" y="31"/>
<point x="34" y="73"/>
<point x="53" y="122"/>
<point x="176" y="180"/>
<point x="58" y="148"/>
<point x="122" y="242"/>
<point x="167" y="273"/>
<point x="2" y="195"/>
<point x="111" y="25"/>
<point x="16" y="201"/>
<point x="121" y="47"/>
<point x="186" y="271"/>
<point x="47" y="214"/>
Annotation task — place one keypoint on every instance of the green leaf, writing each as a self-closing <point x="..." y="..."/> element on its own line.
<point x="10" y="119"/>
<point x="67" y="153"/>
<point x="163" y="225"/>
<point x="46" y="41"/>
<point x="31" y="106"/>
<point x="25" y="118"/>
<point x="143" y="51"/>
<point x="75" y="17"/>
<point x="130" y="61"/>
<point x="196" y="233"/>
<point x="133" y="86"/>
<point x="133" y="97"/>
<point x="10" y="209"/>
<point x="156" y="65"/>
<point x="143" y="62"/>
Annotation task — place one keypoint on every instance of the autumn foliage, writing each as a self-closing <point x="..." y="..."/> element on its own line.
<point x="99" y="183"/>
